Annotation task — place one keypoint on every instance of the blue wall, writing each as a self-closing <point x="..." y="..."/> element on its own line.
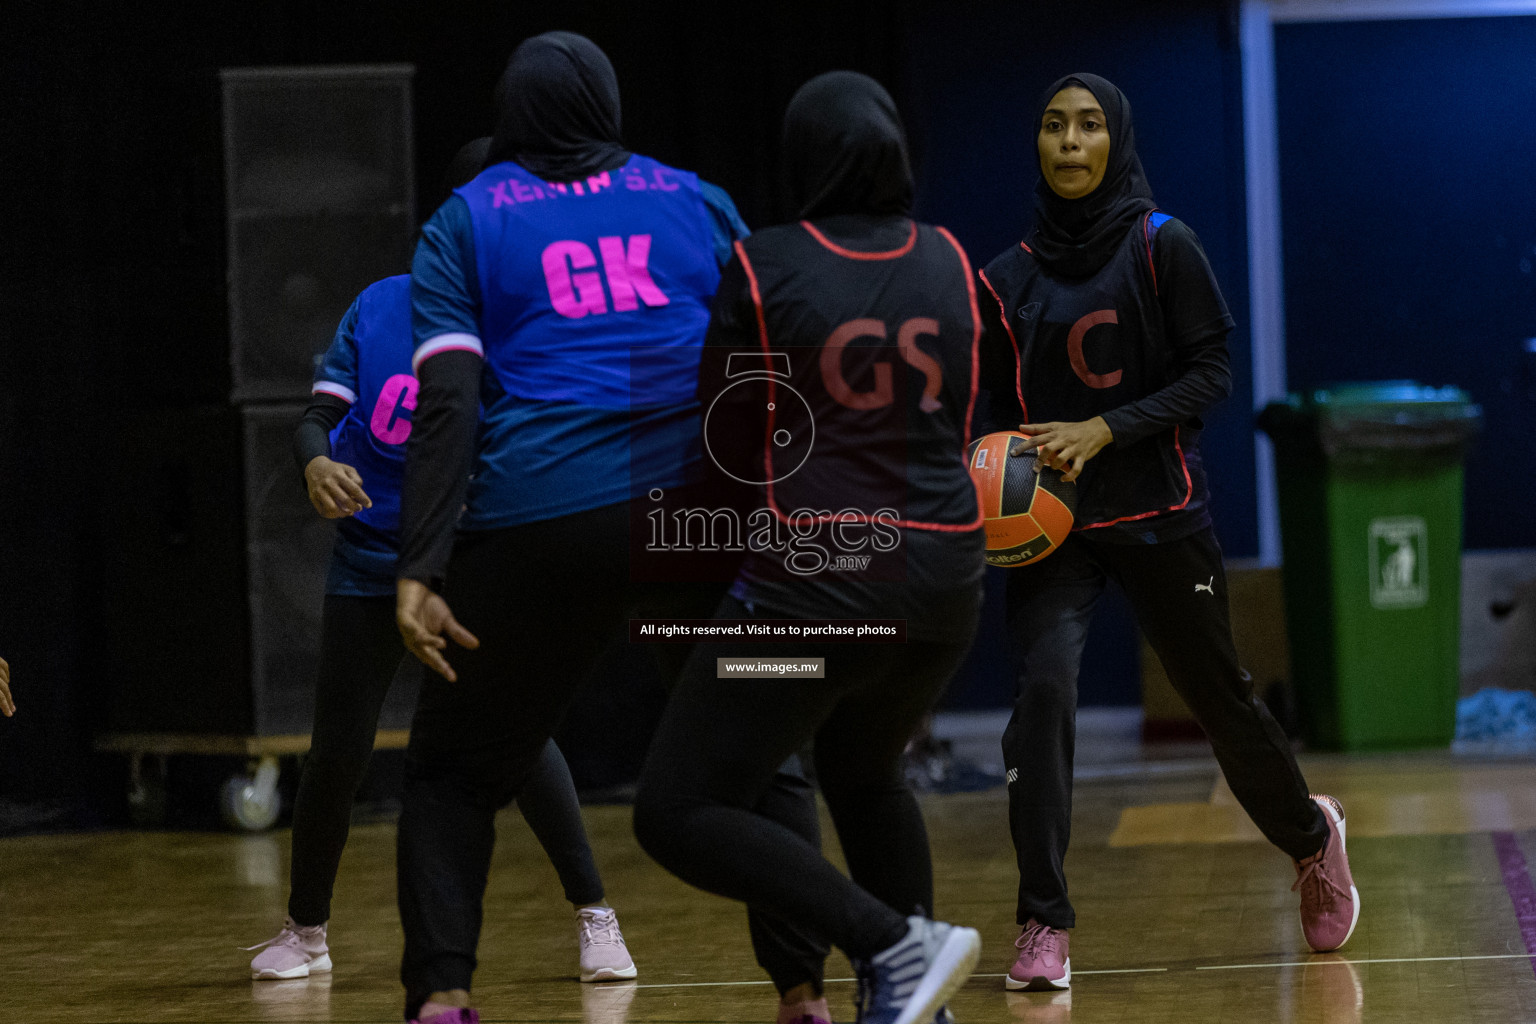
<point x="975" y="73"/>
<point x="1408" y="190"/>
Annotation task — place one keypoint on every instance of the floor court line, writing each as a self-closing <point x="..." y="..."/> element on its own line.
<point x="720" y="984"/>
<point x="715" y="984"/>
<point x="1161" y="970"/>
<point x="1121" y="970"/>
<point x="1371" y="960"/>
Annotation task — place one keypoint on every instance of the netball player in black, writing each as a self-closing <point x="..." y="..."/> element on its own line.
<point x="351" y="450"/>
<point x="862" y="325"/>
<point x="1106" y="336"/>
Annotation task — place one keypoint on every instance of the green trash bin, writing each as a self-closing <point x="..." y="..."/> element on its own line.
<point x="1370" y="480"/>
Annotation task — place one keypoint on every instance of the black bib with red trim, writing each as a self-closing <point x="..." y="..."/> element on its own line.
<point x="879" y="346"/>
<point x="866" y="365"/>
<point x="1084" y="347"/>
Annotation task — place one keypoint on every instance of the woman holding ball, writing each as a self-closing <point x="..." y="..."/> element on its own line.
<point x="1106" y="337"/>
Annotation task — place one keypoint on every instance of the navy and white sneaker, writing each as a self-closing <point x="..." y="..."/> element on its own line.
<point x="910" y="982"/>
<point x="861" y="995"/>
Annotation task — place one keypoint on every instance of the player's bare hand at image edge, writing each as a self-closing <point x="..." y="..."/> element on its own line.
<point x="1065" y="446"/>
<point x="335" y="489"/>
<point x="424" y="618"/>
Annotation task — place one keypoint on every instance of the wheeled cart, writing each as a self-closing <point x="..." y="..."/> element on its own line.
<point x="248" y="800"/>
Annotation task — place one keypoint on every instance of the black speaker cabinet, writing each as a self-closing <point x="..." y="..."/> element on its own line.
<point x="216" y="578"/>
<point x="319" y="192"/>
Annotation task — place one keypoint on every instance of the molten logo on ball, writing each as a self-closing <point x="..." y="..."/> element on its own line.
<point x="1028" y="514"/>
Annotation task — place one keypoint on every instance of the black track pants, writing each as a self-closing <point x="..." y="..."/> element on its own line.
<point x="360" y="651"/>
<point x="714" y="756"/>
<point x="1178" y="590"/>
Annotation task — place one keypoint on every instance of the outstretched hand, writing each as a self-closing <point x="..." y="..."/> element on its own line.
<point x="423" y="617"/>
<point x="1065" y="446"/>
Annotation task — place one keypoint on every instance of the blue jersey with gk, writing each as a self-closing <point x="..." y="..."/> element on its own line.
<point x="588" y="301"/>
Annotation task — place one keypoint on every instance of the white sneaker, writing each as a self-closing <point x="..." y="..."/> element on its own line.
<point x="293" y="952"/>
<point x="604" y="957"/>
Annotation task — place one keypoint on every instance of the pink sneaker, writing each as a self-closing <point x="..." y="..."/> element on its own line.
<point x="604" y="957"/>
<point x="293" y="952"/>
<point x="813" y="1011"/>
<point x="1043" y="962"/>
<point x="457" y="1015"/>
<point x="1330" y="904"/>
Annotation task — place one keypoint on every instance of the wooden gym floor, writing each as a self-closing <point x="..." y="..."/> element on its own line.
<point x="1184" y="916"/>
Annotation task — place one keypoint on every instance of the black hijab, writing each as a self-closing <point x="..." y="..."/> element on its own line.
<point x="845" y="150"/>
<point x="1076" y="237"/>
<point x="467" y="163"/>
<point x="557" y="109"/>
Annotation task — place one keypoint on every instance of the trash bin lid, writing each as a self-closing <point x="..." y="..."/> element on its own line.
<point x="1398" y="415"/>
<point x="1398" y="395"/>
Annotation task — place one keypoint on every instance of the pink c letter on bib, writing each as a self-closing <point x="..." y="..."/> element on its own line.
<point x="387" y="424"/>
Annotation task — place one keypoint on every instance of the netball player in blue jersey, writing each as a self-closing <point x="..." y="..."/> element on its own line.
<point x="867" y="321"/>
<point x="566" y="292"/>
<point x="351" y="448"/>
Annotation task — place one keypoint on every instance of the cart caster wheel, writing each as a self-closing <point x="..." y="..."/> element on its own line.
<point x="146" y="789"/>
<point x="250" y="803"/>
